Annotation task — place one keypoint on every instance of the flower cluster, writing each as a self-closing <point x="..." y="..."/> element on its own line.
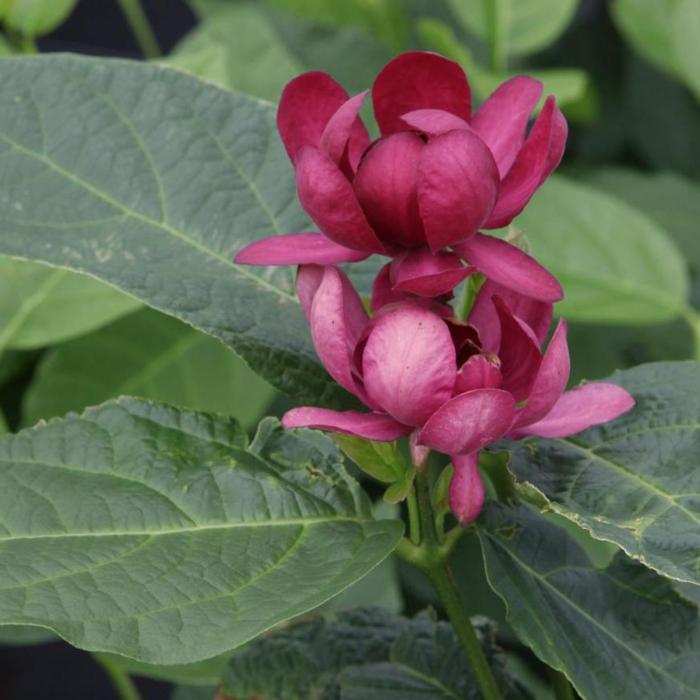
<point x="420" y="194"/>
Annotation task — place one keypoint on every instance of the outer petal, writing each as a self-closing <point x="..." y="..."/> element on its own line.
<point x="418" y="80"/>
<point x="457" y="187"/>
<point x="509" y="266"/>
<point x="581" y="408"/>
<point x="533" y="164"/>
<point x="502" y="119"/>
<point x="519" y="353"/>
<point x="329" y="200"/>
<point x="426" y="274"/>
<point x="537" y="314"/>
<point x="481" y="371"/>
<point x="469" y="421"/>
<point x="466" y="488"/>
<point x="306" y="105"/>
<point x="550" y="381"/>
<point x="372" y="426"/>
<point x="345" y="133"/>
<point x="337" y="318"/>
<point x="409" y="363"/>
<point x="297" y="249"/>
<point x="434" y="121"/>
<point x="383" y="292"/>
<point x="386" y="187"/>
<point x="309" y="278"/>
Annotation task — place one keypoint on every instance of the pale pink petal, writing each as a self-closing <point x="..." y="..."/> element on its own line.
<point x="337" y="320"/>
<point x="469" y="421"/>
<point x="297" y="249"/>
<point x="550" y="381"/>
<point x="307" y="104"/>
<point x="466" y="496"/>
<point x="519" y="353"/>
<point x="426" y="274"/>
<point x="537" y="314"/>
<point x="502" y="119"/>
<point x="385" y="186"/>
<point x="457" y="187"/>
<point x="330" y="201"/>
<point x="309" y="278"/>
<point x="409" y="363"/>
<point x="579" y="409"/>
<point x="509" y="266"/>
<point x="371" y="426"/>
<point x="345" y="134"/>
<point x="532" y="165"/>
<point x="481" y="371"/>
<point x="434" y="121"/>
<point x="419" y="80"/>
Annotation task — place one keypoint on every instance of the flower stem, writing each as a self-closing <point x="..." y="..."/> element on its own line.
<point x="497" y="28"/>
<point x="431" y="556"/>
<point x="126" y="690"/>
<point x="413" y="522"/>
<point x="560" y="685"/>
<point x="141" y="28"/>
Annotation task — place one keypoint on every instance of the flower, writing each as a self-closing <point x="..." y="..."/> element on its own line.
<point x="456" y="386"/>
<point x="421" y="192"/>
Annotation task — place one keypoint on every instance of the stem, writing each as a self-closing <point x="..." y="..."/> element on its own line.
<point x="413" y="522"/>
<point x="141" y="28"/>
<point x="497" y="26"/>
<point x="692" y="318"/>
<point x="431" y="557"/>
<point x="126" y="690"/>
<point x="560" y="685"/>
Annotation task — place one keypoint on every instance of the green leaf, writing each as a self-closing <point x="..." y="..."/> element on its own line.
<point x="41" y="305"/>
<point x="36" y="17"/>
<point x="525" y="26"/>
<point x="151" y="180"/>
<point x="237" y="47"/>
<point x="204" y="543"/>
<point x="635" y="481"/>
<point x="364" y="654"/>
<point x="616" y="265"/>
<point x="686" y="42"/>
<point x="203" y="673"/>
<point x="18" y="635"/>
<point x="152" y="356"/>
<point x="672" y="200"/>
<point x="381" y="460"/>
<point x="622" y="632"/>
<point x="647" y="26"/>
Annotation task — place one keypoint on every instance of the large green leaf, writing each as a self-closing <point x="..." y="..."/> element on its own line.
<point x="616" y="265"/>
<point x="621" y="632"/>
<point x="155" y="533"/>
<point x="151" y="180"/>
<point x="635" y="481"/>
<point x="150" y="355"/>
<point x="524" y="26"/>
<point x="41" y="305"/>
<point x="686" y="40"/>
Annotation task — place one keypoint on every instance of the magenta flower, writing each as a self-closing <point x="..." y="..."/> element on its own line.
<point x="420" y="193"/>
<point x="456" y="386"/>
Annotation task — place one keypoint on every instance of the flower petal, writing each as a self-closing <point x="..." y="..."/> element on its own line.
<point x="426" y="274"/>
<point x="434" y="121"/>
<point x="418" y="80"/>
<point x="502" y="119"/>
<point x="466" y="495"/>
<point x="509" y="266"/>
<point x="469" y="421"/>
<point x="457" y="187"/>
<point x="534" y="163"/>
<point x="537" y="314"/>
<point x="581" y="408"/>
<point x="329" y="200"/>
<point x="383" y="292"/>
<point x="307" y="104"/>
<point x="481" y="371"/>
<point x="297" y="249"/>
<point x="385" y="186"/>
<point x="337" y="319"/>
<point x="409" y="363"/>
<point x="519" y="353"/>
<point x="371" y="426"/>
<point x="551" y="380"/>
<point x="309" y="278"/>
<point x="346" y="134"/>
